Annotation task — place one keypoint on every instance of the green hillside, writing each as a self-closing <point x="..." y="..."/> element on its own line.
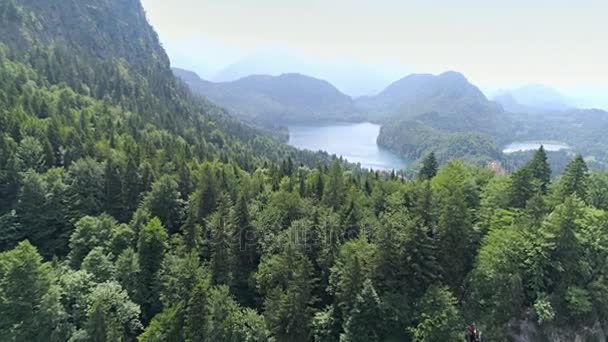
<point x="132" y="210"/>
<point x="445" y="113"/>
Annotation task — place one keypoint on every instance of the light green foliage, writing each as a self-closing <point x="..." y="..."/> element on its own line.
<point x="99" y="265"/>
<point x="101" y="147"/>
<point x="597" y="195"/>
<point x="76" y="287"/>
<point x="112" y="316"/>
<point x="30" y="155"/>
<point x="438" y="318"/>
<point x="543" y="309"/>
<point x="90" y="232"/>
<point x="365" y="321"/>
<point x="29" y="297"/>
<point x="164" y="202"/>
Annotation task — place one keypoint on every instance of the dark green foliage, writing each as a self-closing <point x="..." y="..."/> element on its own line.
<point x="112" y="315"/>
<point x="333" y="194"/>
<point x="438" y="318"/>
<point x="574" y="181"/>
<point x="540" y="169"/>
<point x="162" y="217"/>
<point x="429" y="167"/>
<point x="164" y="201"/>
<point x="151" y="247"/>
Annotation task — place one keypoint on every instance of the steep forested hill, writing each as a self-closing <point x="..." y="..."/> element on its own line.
<point x="443" y="113"/>
<point x="107" y="51"/>
<point x="280" y="99"/>
<point x="416" y="94"/>
<point x="132" y="210"/>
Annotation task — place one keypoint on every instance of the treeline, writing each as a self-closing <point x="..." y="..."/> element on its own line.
<point x="159" y="218"/>
<point x="414" y="139"/>
<point x="290" y="253"/>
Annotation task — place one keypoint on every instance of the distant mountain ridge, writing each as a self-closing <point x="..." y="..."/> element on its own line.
<point x="533" y="98"/>
<point x="276" y="99"/>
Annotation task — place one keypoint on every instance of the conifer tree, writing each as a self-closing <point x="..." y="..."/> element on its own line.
<point x="365" y="321"/>
<point x="222" y="244"/>
<point x="429" y="167"/>
<point x="151" y="248"/>
<point x="334" y="190"/>
<point x="540" y="169"/>
<point x="574" y="180"/>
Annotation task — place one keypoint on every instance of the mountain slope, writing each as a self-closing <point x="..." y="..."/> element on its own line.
<point x="275" y="99"/>
<point x="449" y="92"/>
<point x="107" y="51"/>
<point x="424" y="112"/>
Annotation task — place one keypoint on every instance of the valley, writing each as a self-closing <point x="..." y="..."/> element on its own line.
<point x="139" y="202"/>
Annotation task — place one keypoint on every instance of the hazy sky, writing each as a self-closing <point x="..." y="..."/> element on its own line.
<point x="494" y="43"/>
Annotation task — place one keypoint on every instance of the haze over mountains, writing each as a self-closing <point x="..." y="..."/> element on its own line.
<point x="419" y="113"/>
<point x="533" y="98"/>
<point x="132" y="209"/>
<point x="276" y="99"/>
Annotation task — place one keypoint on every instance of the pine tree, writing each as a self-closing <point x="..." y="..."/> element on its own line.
<point x="113" y="190"/>
<point x="333" y="195"/>
<point x="247" y="251"/>
<point x="365" y="321"/>
<point x="574" y="180"/>
<point x="319" y="183"/>
<point x="222" y="244"/>
<point x="540" y="169"/>
<point x="454" y="238"/>
<point x="350" y="222"/>
<point x="429" y="167"/>
<point x="150" y="248"/>
<point x="285" y="281"/>
<point x="521" y="187"/>
<point x="196" y="323"/>
<point x="206" y="195"/>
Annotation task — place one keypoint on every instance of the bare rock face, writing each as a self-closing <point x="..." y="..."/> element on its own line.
<point x="529" y="331"/>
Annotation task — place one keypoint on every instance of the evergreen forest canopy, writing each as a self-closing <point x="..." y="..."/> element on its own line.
<point x="133" y="210"/>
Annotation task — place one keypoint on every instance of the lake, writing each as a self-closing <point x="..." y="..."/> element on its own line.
<point x="356" y="142"/>
<point x="519" y="146"/>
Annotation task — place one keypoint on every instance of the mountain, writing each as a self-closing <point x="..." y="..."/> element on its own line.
<point x="424" y="112"/>
<point x="352" y="78"/>
<point x="133" y="210"/>
<point x="275" y="100"/>
<point x="416" y="94"/>
<point x="105" y="50"/>
<point x="532" y="98"/>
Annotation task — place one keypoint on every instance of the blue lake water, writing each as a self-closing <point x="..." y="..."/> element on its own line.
<point x="356" y="142"/>
<point x="519" y="146"/>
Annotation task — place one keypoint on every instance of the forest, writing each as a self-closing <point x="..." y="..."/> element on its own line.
<point x="132" y="210"/>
